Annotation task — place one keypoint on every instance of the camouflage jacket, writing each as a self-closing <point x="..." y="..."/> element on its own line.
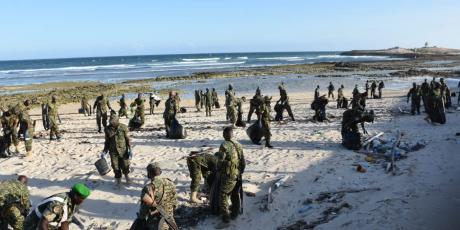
<point x="56" y="209"/>
<point x="139" y="103"/>
<point x="101" y="104"/>
<point x="414" y="93"/>
<point x="232" y="163"/>
<point x="52" y="109"/>
<point x="171" y="108"/>
<point x="205" y="160"/>
<point x="14" y="192"/>
<point x="208" y="98"/>
<point x="163" y="192"/>
<point x="116" y="140"/>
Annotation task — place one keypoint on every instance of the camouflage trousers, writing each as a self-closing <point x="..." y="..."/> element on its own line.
<point x="196" y="171"/>
<point x="123" y="112"/>
<point x="120" y="165"/>
<point x="54" y="127"/>
<point x="28" y="140"/>
<point x="208" y="109"/>
<point x="225" y="194"/>
<point x="231" y="113"/>
<point x="266" y="130"/>
<point x="86" y="110"/>
<point x="11" y="215"/>
<point x="101" y="119"/>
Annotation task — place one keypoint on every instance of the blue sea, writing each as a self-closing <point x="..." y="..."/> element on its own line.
<point x="113" y="69"/>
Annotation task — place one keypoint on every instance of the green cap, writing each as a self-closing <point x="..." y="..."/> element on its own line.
<point x="81" y="189"/>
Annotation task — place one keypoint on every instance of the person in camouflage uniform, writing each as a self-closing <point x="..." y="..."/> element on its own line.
<point x="284" y="103"/>
<point x="158" y="202"/>
<point x="140" y="109"/>
<point x="10" y="122"/>
<point x="57" y="209"/>
<point x="264" y="114"/>
<point x="341" y="100"/>
<point x="123" y="112"/>
<point x="232" y="165"/>
<point x="54" y="118"/>
<point x="373" y="87"/>
<point x="200" y="164"/>
<point x="215" y="99"/>
<point x="170" y="112"/>
<point x="366" y="87"/>
<point x="381" y="86"/>
<point x="254" y="104"/>
<point x="316" y="92"/>
<point x="330" y="90"/>
<point x="27" y="127"/>
<point x="14" y="203"/>
<point x="85" y="106"/>
<point x="197" y="100"/>
<point x="118" y="145"/>
<point x="319" y="105"/>
<point x="202" y="99"/>
<point x="351" y="137"/>
<point x="355" y="91"/>
<point x="151" y="103"/>
<point x="209" y="102"/>
<point x="415" y="95"/>
<point x="101" y="105"/>
<point x="425" y="90"/>
<point x="239" y="110"/>
<point x="230" y="103"/>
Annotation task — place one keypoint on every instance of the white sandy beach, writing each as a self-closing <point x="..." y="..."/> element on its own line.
<point x="423" y="195"/>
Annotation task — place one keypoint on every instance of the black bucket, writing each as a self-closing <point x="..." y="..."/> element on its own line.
<point x="102" y="166"/>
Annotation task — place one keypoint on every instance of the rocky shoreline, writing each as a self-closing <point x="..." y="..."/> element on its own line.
<point x="72" y="91"/>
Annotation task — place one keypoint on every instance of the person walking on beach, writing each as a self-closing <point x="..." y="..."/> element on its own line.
<point x="170" y="112"/>
<point x="158" y="202"/>
<point x="58" y="209"/>
<point x="231" y="174"/>
<point x="140" y="108"/>
<point x="341" y="100"/>
<point x="330" y="90"/>
<point x="14" y="203"/>
<point x="151" y="103"/>
<point x="54" y="118"/>
<point x="118" y="145"/>
<point x="425" y="91"/>
<point x="415" y="95"/>
<point x="355" y="91"/>
<point x="381" y="86"/>
<point x="209" y="102"/>
<point x="101" y="105"/>
<point x="123" y="112"/>
<point x="230" y="103"/>
<point x="10" y="123"/>
<point x="284" y="101"/>
<point x="316" y="92"/>
<point x="85" y="106"/>
<point x="373" y="87"/>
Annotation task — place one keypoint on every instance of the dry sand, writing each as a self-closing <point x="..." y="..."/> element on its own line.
<point x="425" y="195"/>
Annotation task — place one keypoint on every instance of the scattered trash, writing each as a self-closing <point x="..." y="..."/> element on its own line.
<point x="305" y="209"/>
<point x="250" y="194"/>
<point x="361" y="169"/>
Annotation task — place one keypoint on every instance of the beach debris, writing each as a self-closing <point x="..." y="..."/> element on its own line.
<point x="268" y="199"/>
<point x="391" y="167"/>
<point x="190" y="216"/>
<point x="250" y="194"/>
<point x="361" y="169"/>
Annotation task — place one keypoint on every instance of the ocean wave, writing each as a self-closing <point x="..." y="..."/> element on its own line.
<point x="282" y="58"/>
<point x="188" y="64"/>
<point x="242" y="58"/>
<point x="227" y="58"/>
<point x="200" y="59"/>
<point x="70" y="68"/>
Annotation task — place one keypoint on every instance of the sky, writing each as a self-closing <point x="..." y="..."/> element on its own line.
<point x="85" y="28"/>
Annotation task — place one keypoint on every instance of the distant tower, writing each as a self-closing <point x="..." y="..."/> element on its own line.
<point x="426" y="44"/>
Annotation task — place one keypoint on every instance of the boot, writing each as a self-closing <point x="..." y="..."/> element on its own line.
<point x="194" y="198"/>
<point x="117" y="183"/>
<point x="267" y="143"/>
<point x="128" y="180"/>
<point x="222" y="225"/>
<point x="28" y="153"/>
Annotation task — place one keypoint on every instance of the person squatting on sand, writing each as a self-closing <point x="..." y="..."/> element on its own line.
<point x="351" y="137"/>
<point x="158" y="202"/>
<point x="14" y="203"/>
<point x="57" y="210"/>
